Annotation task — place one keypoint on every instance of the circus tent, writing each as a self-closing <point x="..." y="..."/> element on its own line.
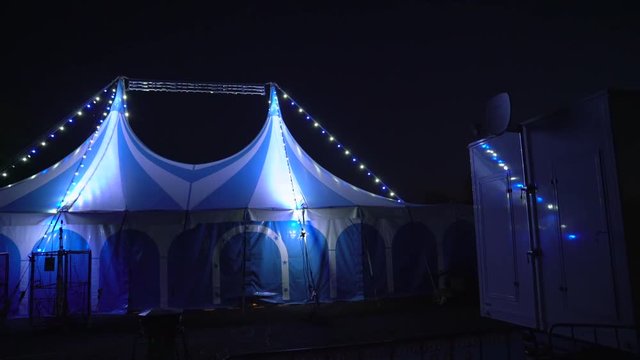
<point x="137" y="230"/>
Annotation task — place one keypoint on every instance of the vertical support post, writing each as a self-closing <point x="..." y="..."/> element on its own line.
<point x="59" y="309"/>
<point x="32" y="261"/>
<point x="88" y="291"/>
<point x="65" y="283"/>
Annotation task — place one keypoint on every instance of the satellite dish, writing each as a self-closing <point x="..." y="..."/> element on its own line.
<point x="498" y="114"/>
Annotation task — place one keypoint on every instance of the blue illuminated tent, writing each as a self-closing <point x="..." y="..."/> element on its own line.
<point x="265" y="221"/>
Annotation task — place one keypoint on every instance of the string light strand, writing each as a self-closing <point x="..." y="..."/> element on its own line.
<point x="29" y="152"/>
<point x="355" y="160"/>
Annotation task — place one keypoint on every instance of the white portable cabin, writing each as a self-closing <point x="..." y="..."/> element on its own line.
<point x="555" y="203"/>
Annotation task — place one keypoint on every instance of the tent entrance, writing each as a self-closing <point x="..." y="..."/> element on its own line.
<point x="60" y="284"/>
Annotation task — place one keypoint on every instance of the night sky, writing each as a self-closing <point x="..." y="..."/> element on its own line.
<point x="404" y="85"/>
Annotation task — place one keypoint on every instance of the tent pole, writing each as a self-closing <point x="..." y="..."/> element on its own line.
<point x="60" y="286"/>
<point x="365" y="245"/>
<point x="305" y="258"/>
<point x="244" y="261"/>
<point x="429" y="273"/>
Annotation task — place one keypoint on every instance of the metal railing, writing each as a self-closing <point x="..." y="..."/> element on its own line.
<point x="195" y="87"/>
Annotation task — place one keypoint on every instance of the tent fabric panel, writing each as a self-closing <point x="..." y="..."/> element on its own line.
<point x="129" y="273"/>
<point x="237" y="191"/>
<point x="374" y="263"/>
<point x="318" y="259"/>
<point x="190" y="266"/>
<point x="312" y="170"/>
<point x="43" y="199"/>
<point x="99" y="182"/>
<point x="263" y="267"/>
<point x="231" y="262"/>
<point x="9" y="305"/>
<point x="349" y="264"/>
<point x="114" y="277"/>
<point x="315" y="192"/>
<point x="289" y="232"/>
<point x="78" y="169"/>
<point x="180" y="238"/>
<point x="338" y="213"/>
<point x="53" y="182"/>
<point x="276" y="187"/>
<point x="144" y="192"/>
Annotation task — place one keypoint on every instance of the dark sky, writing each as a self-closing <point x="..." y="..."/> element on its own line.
<point x="402" y="84"/>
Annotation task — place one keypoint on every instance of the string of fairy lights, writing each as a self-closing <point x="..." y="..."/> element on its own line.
<point x="494" y="156"/>
<point x="29" y="153"/>
<point x="380" y="185"/>
<point x="64" y="202"/>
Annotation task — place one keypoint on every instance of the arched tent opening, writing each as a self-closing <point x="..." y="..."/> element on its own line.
<point x="129" y="273"/>
<point x="190" y="266"/>
<point x="360" y="263"/>
<point x="375" y="267"/>
<point x="269" y="260"/>
<point x="264" y="263"/>
<point x="253" y="263"/>
<point x="414" y="260"/>
<point x="349" y="264"/>
<point x="460" y="258"/>
<point x="44" y="276"/>
<point x="9" y="277"/>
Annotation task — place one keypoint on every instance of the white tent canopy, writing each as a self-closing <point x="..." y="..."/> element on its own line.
<point x="266" y="220"/>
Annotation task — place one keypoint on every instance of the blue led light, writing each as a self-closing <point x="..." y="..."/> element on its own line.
<point x="484" y="146"/>
<point x="353" y="159"/>
<point x="88" y="106"/>
<point x="33" y="151"/>
<point x="494" y="158"/>
<point x="539" y="199"/>
<point x="339" y="145"/>
<point x="52" y="135"/>
<point x="519" y="185"/>
<point x="368" y="173"/>
<point x="384" y="187"/>
<point x="572" y="236"/>
<point x="70" y="120"/>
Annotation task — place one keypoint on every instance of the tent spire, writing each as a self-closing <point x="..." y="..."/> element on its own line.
<point x="274" y="113"/>
<point x="118" y="103"/>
